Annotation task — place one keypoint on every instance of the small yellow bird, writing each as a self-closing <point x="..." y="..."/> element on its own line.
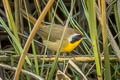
<point x="71" y="38"/>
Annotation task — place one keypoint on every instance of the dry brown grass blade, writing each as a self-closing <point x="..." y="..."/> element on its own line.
<point x="77" y="68"/>
<point x="33" y="32"/>
<point x="23" y="71"/>
<point x="86" y="58"/>
<point x="61" y="76"/>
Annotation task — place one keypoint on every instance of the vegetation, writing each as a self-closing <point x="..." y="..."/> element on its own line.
<point x="96" y="58"/>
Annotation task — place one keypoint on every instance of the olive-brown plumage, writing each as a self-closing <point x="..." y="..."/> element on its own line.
<point x="55" y="37"/>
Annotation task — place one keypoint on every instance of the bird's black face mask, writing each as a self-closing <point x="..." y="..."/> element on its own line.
<point x="76" y="38"/>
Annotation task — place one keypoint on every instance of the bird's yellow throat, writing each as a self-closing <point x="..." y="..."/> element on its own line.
<point x="70" y="46"/>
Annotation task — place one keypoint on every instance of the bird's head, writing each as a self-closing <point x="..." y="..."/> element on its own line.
<point x="75" y="37"/>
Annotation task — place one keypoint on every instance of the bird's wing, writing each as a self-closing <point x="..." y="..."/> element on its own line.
<point x="56" y="32"/>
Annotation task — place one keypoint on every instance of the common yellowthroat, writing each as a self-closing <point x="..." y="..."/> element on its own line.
<point x="71" y="38"/>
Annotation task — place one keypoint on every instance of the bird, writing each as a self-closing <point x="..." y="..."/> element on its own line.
<point x="72" y="37"/>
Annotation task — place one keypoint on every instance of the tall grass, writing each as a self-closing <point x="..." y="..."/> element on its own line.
<point x="12" y="27"/>
<point x="107" y="72"/>
<point x="33" y="44"/>
<point x="89" y="8"/>
<point x="117" y="19"/>
<point x="10" y="18"/>
<point x="97" y="29"/>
